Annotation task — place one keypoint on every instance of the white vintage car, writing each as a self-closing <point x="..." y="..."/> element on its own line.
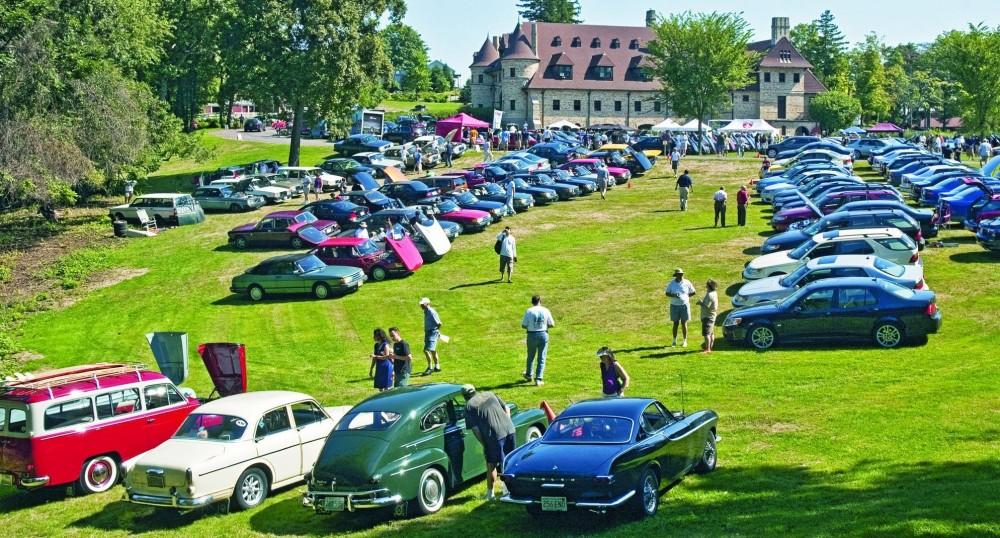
<point x="239" y="447"/>
<point x="257" y="187"/>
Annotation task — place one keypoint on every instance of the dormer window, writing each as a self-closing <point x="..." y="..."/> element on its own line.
<point x="595" y="43"/>
<point x="576" y="42"/>
<point x="556" y="41"/>
<point x="634" y="44"/>
<point x="615" y="43"/>
<point x="785" y="56"/>
<point x="602" y="72"/>
<point x="562" y="72"/>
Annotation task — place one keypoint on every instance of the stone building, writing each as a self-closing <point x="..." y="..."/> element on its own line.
<point x="541" y="73"/>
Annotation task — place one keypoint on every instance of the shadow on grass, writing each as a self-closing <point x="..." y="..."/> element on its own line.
<point x="509" y="385"/>
<point x="636" y="349"/>
<point x="752" y="251"/>
<point x="766" y="233"/>
<point x="475" y="284"/>
<point x="271" y="297"/>
<point x="680" y="351"/>
<point x="731" y="291"/>
<point x="15" y="500"/>
<point x="975" y="257"/>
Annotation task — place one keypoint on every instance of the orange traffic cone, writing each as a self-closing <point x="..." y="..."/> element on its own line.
<point x="629" y="183"/>
<point x="549" y="413"/>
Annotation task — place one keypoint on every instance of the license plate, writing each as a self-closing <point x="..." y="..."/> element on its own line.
<point x="154" y="480"/>
<point x="6" y="479"/>
<point x="334" y="504"/>
<point x="553" y="504"/>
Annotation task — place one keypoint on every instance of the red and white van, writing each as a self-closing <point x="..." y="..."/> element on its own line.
<point x="75" y="426"/>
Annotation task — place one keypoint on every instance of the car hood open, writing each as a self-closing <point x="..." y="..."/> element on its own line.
<point x="406" y="251"/>
<point x="226" y="364"/>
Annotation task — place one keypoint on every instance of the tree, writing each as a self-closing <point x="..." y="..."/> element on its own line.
<point x="465" y="96"/>
<point x="822" y="43"/>
<point x="871" y="81"/>
<point x="834" y="110"/>
<point x="324" y="55"/>
<point x="565" y="11"/>
<point x="699" y="58"/>
<point x="408" y="55"/>
<point x="441" y="78"/>
<point x="971" y="60"/>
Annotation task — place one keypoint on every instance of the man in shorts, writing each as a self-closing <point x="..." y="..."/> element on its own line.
<point x="489" y="419"/>
<point x="680" y="290"/>
<point x="432" y="331"/>
<point x="508" y="253"/>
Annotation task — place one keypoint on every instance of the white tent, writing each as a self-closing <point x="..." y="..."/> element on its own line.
<point x="563" y="123"/>
<point x="692" y="126"/>
<point x="665" y="125"/>
<point x="748" y="126"/>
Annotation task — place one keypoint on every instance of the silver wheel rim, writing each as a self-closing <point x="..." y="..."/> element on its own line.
<point x="762" y="337"/>
<point x="256" y="293"/>
<point x="322" y="291"/>
<point x="296" y="243"/>
<point x="649" y="493"/>
<point x="378" y="273"/>
<point x="709" y="454"/>
<point x="432" y="491"/>
<point x="888" y="335"/>
<point x="241" y="243"/>
<point x="252" y="489"/>
<point x="533" y="434"/>
<point x="100" y="474"/>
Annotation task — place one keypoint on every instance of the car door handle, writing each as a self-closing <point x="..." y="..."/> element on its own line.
<point x="150" y="420"/>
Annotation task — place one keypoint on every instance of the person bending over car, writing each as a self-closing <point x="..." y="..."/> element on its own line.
<point x="489" y="419"/>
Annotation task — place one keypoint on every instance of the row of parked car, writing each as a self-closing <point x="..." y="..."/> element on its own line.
<point x="846" y="262"/>
<point x="91" y="427"/>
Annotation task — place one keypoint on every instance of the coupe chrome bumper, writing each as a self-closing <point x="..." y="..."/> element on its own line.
<point x="590" y="505"/>
<point x="169" y="501"/>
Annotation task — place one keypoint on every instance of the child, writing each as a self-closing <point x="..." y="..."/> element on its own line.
<point x="381" y="366"/>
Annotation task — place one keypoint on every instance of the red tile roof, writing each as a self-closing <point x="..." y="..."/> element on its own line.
<point x="518" y="47"/>
<point x="784" y="54"/>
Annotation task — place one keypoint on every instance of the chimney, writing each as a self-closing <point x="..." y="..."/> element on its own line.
<point x="534" y="36"/>
<point x="779" y="28"/>
<point x="496" y="42"/>
<point x="650" y="17"/>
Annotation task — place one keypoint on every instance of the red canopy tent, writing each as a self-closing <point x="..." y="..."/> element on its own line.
<point x="460" y="121"/>
<point x="885" y="127"/>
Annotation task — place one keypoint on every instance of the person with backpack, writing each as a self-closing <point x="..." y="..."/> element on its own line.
<point x="506" y="247"/>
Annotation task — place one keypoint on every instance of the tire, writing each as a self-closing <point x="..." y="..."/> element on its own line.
<point x="160" y="221"/>
<point x="646" y="500"/>
<point x="297" y="242"/>
<point x="251" y="488"/>
<point x="431" y="492"/>
<point x="761" y="337"/>
<point x="888" y="334"/>
<point x="379" y="273"/>
<point x="99" y="474"/>
<point x="119" y="216"/>
<point x="321" y="291"/>
<point x="709" y="457"/>
<point x="534" y="432"/>
<point x="255" y="293"/>
<point x="241" y="242"/>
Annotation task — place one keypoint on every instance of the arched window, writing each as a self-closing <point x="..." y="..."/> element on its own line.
<point x="576" y="42"/>
<point x="634" y="44"/>
<point x="596" y="43"/>
<point x="556" y="41"/>
<point x="615" y="43"/>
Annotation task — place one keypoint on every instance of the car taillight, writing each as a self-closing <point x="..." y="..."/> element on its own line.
<point x="915" y="258"/>
<point x="920" y="285"/>
<point x="353" y="215"/>
<point x="920" y="235"/>
<point x="931" y="309"/>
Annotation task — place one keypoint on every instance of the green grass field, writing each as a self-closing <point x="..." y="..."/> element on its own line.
<point x="439" y="110"/>
<point x="818" y="441"/>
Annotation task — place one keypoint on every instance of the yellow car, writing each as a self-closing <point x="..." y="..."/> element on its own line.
<point x="621" y="147"/>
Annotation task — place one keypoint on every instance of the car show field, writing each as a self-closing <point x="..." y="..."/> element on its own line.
<point x="823" y="439"/>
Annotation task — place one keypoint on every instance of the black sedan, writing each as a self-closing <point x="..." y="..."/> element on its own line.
<point x="836" y="310"/>
<point x="611" y="453"/>
<point x="496" y="193"/>
<point x="542" y="195"/>
<point x="359" y="143"/>
<point x="343" y="212"/>
<point x="564" y="190"/>
<point x="372" y="199"/>
<point x="410" y="192"/>
<point x="467" y="200"/>
<point x="926" y="218"/>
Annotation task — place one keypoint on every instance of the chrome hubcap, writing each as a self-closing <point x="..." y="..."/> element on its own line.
<point x="252" y="489"/>
<point x="888" y="335"/>
<point x="649" y="494"/>
<point x="99" y="474"/>
<point x="762" y="337"/>
<point x="256" y="294"/>
<point x="710" y="454"/>
<point x="432" y="491"/>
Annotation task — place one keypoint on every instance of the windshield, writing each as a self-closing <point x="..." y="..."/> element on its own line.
<point x="520" y="184"/>
<point x="447" y="206"/>
<point x="889" y="268"/>
<point x="542" y="178"/>
<point x="305" y="217"/>
<point x="466" y="198"/>
<point x="310" y="263"/>
<point x="794" y="277"/>
<point x="802" y="250"/>
<point x="580" y="171"/>
<point x="492" y="188"/>
<point x="313" y="235"/>
<point x="589" y="430"/>
<point x="368" y="421"/>
<point x="211" y="427"/>
<point x="368" y="248"/>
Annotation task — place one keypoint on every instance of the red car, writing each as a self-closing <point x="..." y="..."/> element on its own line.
<point x="402" y="258"/>
<point x="471" y="220"/>
<point x="280" y="229"/>
<point x="621" y="175"/>
<point x="77" y="425"/>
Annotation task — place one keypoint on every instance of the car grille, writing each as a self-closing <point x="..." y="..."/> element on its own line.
<point x="355" y="278"/>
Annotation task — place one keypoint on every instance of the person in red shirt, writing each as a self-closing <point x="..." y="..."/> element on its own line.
<point x="742" y="201"/>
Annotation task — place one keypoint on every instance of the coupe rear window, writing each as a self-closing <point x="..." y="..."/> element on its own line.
<point x="305" y="217"/>
<point x="368" y="421"/>
<point x="889" y="268"/>
<point x="587" y="430"/>
<point x="896" y="289"/>
<point x="313" y="235"/>
<point x="802" y="250"/>
<point x="211" y="427"/>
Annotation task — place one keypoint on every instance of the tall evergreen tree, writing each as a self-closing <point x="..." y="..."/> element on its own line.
<point x="567" y="11"/>
<point x="822" y="43"/>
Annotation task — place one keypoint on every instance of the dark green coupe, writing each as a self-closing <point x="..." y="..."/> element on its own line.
<point x="405" y="448"/>
<point x="297" y="273"/>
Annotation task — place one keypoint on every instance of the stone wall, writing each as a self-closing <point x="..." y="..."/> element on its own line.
<point x="545" y="112"/>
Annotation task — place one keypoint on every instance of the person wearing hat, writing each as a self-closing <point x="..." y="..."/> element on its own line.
<point x="614" y="378"/>
<point x="362" y="231"/>
<point x="680" y="290"/>
<point x="432" y="331"/>
<point x="489" y="419"/>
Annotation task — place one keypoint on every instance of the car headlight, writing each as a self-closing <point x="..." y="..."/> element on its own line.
<point x="780" y="218"/>
<point x="732" y="322"/>
<point x="768" y="248"/>
<point x="750" y="271"/>
<point x="739" y="298"/>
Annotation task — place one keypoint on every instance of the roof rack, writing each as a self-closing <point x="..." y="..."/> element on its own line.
<point x="62" y="376"/>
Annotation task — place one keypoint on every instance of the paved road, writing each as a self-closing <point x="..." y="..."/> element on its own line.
<point x="267" y="136"/>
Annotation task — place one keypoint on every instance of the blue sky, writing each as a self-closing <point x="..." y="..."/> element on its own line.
<point x="454" y="29"/>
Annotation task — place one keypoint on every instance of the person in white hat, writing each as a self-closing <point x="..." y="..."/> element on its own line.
<point x="362" y="231"/>
<point x="432" y="331"/>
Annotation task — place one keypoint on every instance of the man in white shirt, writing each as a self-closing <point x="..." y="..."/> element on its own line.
<point x="508" y="253"/>
<point x="720" y="198"/>
<point x="362" y="231"/>
<point x="537" y="321"/>
<point x="680" y="290"/>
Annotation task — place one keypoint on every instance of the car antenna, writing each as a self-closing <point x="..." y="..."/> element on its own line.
<point x="682" y="394"/>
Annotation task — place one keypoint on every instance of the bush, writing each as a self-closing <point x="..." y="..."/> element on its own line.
<point x="71" y="270"/>
<point x="480" y="113"/>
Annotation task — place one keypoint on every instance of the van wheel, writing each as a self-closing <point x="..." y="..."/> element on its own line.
<point x="255" y="292"/>
<point x="99" y="475"/>
<point x="251" y="488"/>
<point x="378" y="273"/>
<point x="761" y="337"/>
<point x="431" y="492"/>
<point x="321" y="291"/>
<point x="888" y="334"/>
<point x="119" y="216"/>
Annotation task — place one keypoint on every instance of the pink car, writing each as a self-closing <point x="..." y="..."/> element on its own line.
<point x="621" y="175"/>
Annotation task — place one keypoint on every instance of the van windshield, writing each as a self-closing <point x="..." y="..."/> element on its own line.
<point x="211" y="427"/>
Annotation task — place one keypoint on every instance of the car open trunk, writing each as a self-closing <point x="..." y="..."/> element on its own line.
<point x="227" y="366"/>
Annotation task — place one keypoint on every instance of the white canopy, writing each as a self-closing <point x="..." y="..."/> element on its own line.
<point x="748" y="126"/>
<point x="563" y="123"/>
<point x="692" y="126"/>
<point x="665" y="125"/>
